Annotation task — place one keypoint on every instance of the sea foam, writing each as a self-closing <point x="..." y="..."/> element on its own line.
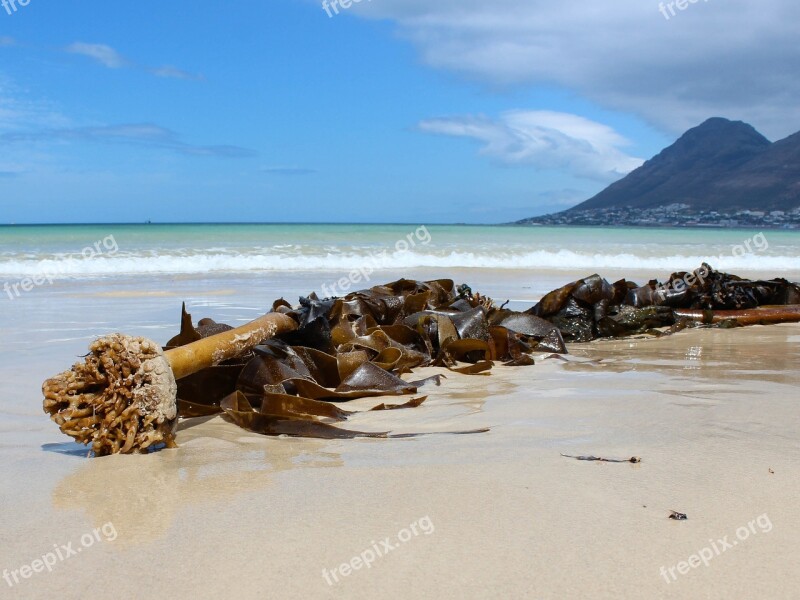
<point x="276" y="260"/>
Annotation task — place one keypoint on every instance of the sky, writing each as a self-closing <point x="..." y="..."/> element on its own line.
<point x="405" y="111"/>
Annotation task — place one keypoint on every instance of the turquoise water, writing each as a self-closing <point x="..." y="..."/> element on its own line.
<point x="108" y="250"/>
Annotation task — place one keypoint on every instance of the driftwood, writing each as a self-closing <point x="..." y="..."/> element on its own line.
<point x="749" y="316"/>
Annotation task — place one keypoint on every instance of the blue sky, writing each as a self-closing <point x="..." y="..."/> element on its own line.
<point x="391" y="111"/>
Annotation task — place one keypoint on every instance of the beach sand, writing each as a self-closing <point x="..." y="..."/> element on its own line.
<point x="712" y="414"/>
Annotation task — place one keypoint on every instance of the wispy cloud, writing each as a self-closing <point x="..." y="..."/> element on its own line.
<point x="7" y="41"/>
<point x="112" y="59"/>
<point x="140" y="134"/>
<point x="546" y="140"/>
<point x="168" y="71"/>
<point x="105" y="55"/>
<point x="287" y="171"/>
<point x="19" y="112"/>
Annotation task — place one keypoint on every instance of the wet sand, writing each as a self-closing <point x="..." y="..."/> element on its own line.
<point x="712" y="413"/>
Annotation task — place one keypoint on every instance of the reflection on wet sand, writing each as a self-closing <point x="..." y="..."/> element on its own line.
<point x="142" y="495"/>
<point x="769" y="351"/>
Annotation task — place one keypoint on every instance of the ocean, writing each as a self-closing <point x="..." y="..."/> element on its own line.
<point x="143" y="250"/>
<point x="251" y="265"/>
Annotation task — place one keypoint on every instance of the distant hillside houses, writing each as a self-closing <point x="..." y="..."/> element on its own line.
<point x="672" y="215"/>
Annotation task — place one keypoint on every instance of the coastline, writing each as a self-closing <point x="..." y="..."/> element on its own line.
<point x="710" y="227"/>
<point x="521" y="223"/>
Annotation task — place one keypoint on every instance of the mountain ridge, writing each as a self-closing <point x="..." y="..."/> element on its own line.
<point x="721" y="166"/>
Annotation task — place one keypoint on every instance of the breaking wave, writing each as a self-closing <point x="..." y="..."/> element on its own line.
<point x="220" y="260"/>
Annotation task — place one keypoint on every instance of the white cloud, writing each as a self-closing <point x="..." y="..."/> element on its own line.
<point x="101" y="53"/>
<point x="732" y="58"/>
<point x="7" y="41"/>
<point x="546" y="140"/>
<point x="109" y="57"/>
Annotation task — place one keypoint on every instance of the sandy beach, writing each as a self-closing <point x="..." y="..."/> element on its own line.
<point x="572" y="231"/>
<point x="711" y="413"/>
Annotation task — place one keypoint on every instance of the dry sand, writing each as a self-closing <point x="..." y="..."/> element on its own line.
<point x="712" y="413"/>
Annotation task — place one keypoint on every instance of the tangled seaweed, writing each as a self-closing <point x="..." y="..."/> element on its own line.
<point x="593" y="308"/>
<point x="124" y="397"/>
<point x="359" y="346"/>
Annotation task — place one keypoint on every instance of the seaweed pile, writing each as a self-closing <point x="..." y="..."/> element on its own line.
<point x="592" y="308"/>
<point x="288" y="371"/>
<point x="358" y="346"/>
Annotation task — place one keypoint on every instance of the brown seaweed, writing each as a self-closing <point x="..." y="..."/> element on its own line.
<point x="360" y="345"/>
<point x="357" y="347"/>
<point x="286" y="419"/>
<point x="239" y="410"/>
<point x="593" y="308"/>
<point x="413" y="403"/>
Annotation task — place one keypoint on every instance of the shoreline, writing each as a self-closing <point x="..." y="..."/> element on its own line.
<point x="706" y="410"/>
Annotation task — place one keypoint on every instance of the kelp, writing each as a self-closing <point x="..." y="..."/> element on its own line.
<point x="358" y="346"/>
<point x="593" y="308"/>
<point x="300" y="417"/>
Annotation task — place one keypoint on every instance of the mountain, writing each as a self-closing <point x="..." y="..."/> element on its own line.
<point x="721" y="165"/>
